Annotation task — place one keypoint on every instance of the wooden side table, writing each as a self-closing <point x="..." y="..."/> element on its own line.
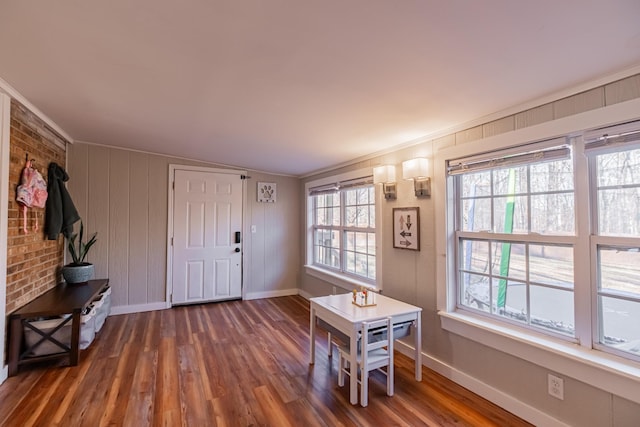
<point x="61" y="300"/>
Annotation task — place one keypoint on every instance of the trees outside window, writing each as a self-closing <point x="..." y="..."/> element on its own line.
<point x="344" y="231"/>
<point x="616" y="245"/>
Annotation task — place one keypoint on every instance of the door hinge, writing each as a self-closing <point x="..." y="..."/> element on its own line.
<point x="245" y="177"/>
<point x="172" y="241"/>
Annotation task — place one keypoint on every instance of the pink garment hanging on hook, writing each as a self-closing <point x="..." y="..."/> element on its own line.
<point x="31" y="193"/>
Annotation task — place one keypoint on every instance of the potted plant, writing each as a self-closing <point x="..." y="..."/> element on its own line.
<point x="79" y="271"/>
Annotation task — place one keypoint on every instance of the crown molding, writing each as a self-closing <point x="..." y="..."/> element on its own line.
<point x="13" y="93"/>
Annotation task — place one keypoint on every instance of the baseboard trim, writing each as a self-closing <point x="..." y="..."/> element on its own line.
<point x="503" y="400"/>
<point x="138" y="308"/>
<point x="4" y="373"/>
<point x="271" y="294"/>
<point x="304" y="294"/>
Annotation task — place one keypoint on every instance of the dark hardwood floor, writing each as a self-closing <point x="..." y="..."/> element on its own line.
<point x="238" y="363"/>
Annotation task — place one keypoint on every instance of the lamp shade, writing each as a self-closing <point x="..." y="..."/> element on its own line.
<point x="383" y="174"/>
<point x="415" y="168"/>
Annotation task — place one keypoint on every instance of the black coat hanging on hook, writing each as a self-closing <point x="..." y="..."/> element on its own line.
<point x="32" y="191"/>
<point x="61" y="213"/>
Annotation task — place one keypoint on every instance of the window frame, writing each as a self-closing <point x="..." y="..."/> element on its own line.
<point x="583" y="157"/>
<point x="547" y="151"/>
<point x="333" y="276"/>
<point x="602" y="370"/>
<point x="343" y="229"/>
<point x="606" y="241"/>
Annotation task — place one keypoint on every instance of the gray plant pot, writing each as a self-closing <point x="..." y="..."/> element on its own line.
<point x="77" y="273"/>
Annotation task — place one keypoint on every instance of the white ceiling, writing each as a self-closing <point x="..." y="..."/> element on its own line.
<point x="294" y="86"/>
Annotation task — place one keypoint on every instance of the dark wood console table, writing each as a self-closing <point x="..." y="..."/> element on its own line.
<point x="61" y="300"/>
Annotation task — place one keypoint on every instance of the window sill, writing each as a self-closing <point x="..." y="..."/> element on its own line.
<point x="336" y="279"/>
<point x="598" y="369"/>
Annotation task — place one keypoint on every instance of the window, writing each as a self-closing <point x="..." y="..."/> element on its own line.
<point x="343" y="228"/>
<point x="615" y="176"/>
<point x="517" y="237"/>
<point x="515" y="218"/>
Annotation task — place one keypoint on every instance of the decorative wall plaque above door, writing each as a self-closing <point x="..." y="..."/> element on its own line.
<point x="267" y="192"/>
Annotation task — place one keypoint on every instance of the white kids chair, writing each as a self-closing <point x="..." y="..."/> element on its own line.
<point x="375" y="351"/>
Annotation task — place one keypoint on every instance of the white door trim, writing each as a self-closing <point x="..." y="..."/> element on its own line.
<point x="172" y="169"/>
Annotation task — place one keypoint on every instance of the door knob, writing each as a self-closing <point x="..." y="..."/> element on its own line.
<point x="237" y="249"/>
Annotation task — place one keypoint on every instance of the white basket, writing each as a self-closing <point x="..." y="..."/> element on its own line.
<point x="103" y="307"/>
<point x="87" y="333"/>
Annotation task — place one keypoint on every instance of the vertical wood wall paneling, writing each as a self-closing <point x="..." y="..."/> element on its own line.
<point x="258" y="248"/>
<point x="622" y="90"/>
<point x="97" y="217"/>
<point x="401" y="280"/>
<point x="157" y="225"/>
<point x="288" y="277"/>
<point x="119" y="226"/>
<point x="247" y="238"/>
<point x="138" y="231"/>
<point x="469" y="135"/>
<point x="78" y="184"/>
<point x="78" y="170"/>
<point x="534" y="116"/>
<point x="272" y="241"/>
<point x="499" y="126"/>
<point x="579" y="103"/>
<point x="135" y="221"/>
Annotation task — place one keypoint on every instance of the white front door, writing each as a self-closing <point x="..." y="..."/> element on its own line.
<point x="207" y="249"/>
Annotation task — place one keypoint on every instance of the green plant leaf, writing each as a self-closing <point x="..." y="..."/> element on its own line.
<point x="79" y="253"/>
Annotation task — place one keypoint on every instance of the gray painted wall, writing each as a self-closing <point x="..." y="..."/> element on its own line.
<point x="123" y="195"/>
<point x="272" y="255"/>
<point x="411" y="276"/>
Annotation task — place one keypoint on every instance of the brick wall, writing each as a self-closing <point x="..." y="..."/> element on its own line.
<point x="33" y="262"/>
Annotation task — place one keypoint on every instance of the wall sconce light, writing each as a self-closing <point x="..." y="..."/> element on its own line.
<point x="417" y="170"/>
<point x="386" y="175"/>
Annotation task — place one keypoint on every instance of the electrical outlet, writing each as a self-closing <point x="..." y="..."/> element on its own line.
<point x="556" y="386"/>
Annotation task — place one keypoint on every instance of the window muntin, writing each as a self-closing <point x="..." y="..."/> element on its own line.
<point x="618" y="193"/>
<point x="522" y="283"/>
<point x="344" y="231"/>
<point x="327" y="247"/>
<point x="327" y="211"/>
<point x="540" y="198"/>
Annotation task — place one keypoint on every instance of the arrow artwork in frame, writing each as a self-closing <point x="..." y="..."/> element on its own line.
<point x="406" y="228"/>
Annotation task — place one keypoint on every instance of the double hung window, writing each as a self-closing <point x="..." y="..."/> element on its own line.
<point x="343" y="228"/>
<point x="614" y="161"/>
<point x="521" y="243"/>
<point x="515" y="232"/>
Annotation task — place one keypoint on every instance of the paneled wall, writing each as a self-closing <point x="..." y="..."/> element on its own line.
<point x="411" y="277"/>
<point x="272" y="252"/>
<point x="123" y="195"/>
<point x="33" y="262"/>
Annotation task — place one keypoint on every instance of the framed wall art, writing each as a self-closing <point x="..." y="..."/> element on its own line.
<point x="267" y="192"/>
<point x="406" y="228"/>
